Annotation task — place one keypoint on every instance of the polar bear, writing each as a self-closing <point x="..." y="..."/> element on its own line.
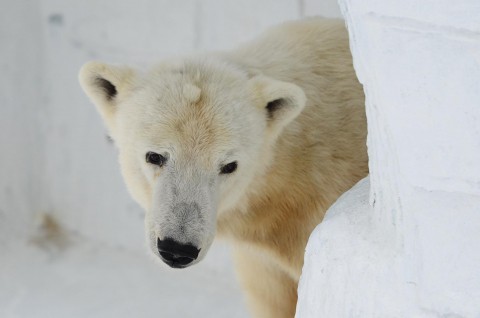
<point x="252" y="145"/>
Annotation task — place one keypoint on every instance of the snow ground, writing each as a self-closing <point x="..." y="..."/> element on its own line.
<point x="83" y="279"/>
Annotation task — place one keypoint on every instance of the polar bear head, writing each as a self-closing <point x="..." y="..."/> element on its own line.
<point x="192" y="135"/>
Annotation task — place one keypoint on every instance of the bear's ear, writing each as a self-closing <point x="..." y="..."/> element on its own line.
<point x="282" y="101"/>
<point x="104" y="85"/>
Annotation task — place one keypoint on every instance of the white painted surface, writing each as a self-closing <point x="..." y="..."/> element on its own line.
<point x="327" y="8"/>
<point x="416" y="251"/>
<point x="55" y="158"/>
<point x="21" y="156"/>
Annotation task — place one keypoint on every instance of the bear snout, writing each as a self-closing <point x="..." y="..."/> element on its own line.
<point x="176" y="255"/>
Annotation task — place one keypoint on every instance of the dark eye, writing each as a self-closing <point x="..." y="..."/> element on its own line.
<point x="155" y="159"/>
<point x="229" y="168"/>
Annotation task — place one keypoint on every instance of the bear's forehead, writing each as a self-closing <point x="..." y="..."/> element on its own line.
<point x="182" y="114"/>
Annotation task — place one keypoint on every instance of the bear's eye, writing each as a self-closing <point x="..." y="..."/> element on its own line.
<point x="155" y="159"/>
<point x="229" y="168"/>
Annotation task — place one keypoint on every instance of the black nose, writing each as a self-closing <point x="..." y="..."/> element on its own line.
<point x="175" y="254"/>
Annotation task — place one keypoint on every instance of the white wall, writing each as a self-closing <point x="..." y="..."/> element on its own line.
<point x="414" y="249"/>
<point x="89" y="193"/>
<point x="21" y="106"/>
<point x="55" y="155"/>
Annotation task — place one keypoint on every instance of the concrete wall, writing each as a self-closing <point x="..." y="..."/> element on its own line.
<point x="412" y="248"/>
<point x="56" y="158"/>
<point x="22" y="106"/>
